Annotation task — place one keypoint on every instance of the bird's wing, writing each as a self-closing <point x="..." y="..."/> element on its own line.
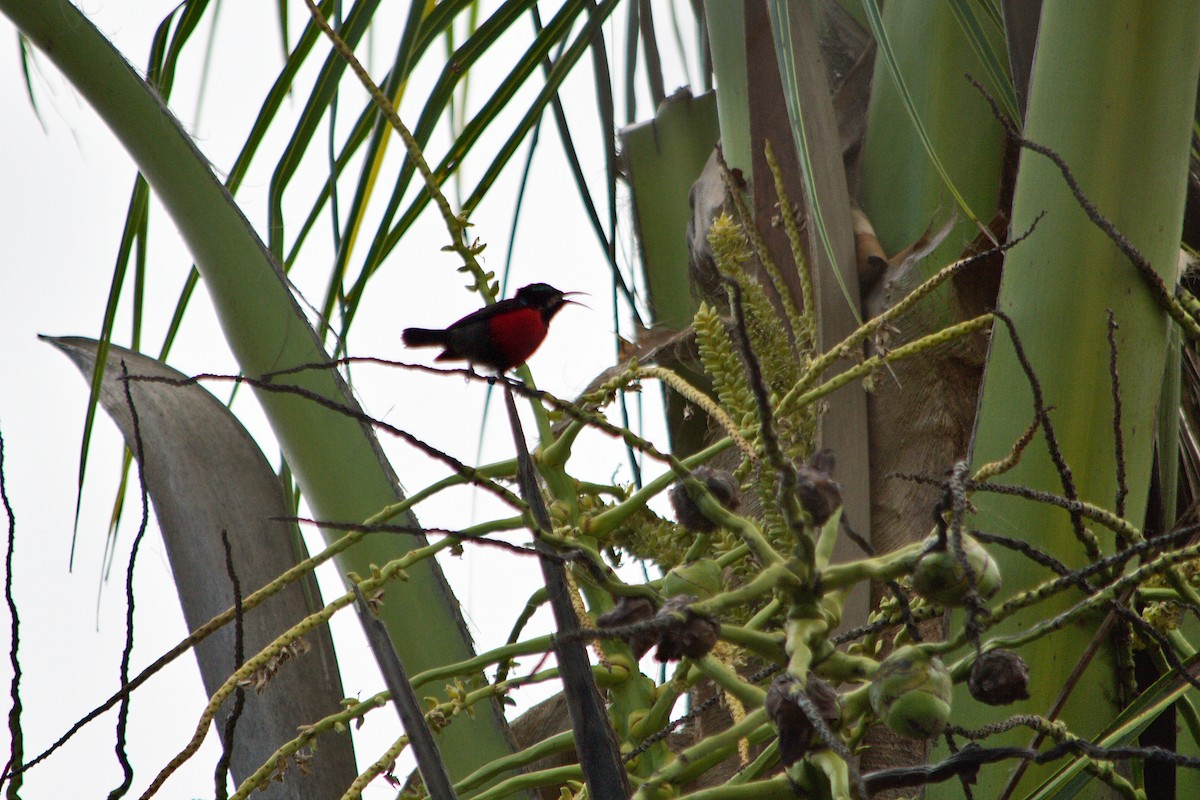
<point x="486" y="311"/>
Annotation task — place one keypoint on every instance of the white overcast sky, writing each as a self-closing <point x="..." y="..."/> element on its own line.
<point x="63" y="202"/>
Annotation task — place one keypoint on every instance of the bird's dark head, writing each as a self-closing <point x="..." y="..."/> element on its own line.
<point x="544" y="298"/>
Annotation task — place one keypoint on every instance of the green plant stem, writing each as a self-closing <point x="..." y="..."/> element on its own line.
<point x="607" y="578"/>
<point x="880" y="568"/>
<point x="604" y="523"/>
<point x="834" y="769"/>
<point x="745" y="528"/>
<point x="519" y="784"/>
<point x="754" y="771"/>
<point x="500" y="469"/>
<point x="856" y="703"/>
<point x="775" y="788"/>
<point x="1160" y="565"/>
<point x="765" y="614"/>
<point x="555" y="454"/>
<point x="378" y="767"/>
<point x="334" y="722"/>
<point x="841" y="667"/>
<point x="669" y="693"/>
<point x="698" y="548"/>
<point x="827" y="538"/>
<point x="698" y="758"/>
<point x="735" y="555"/>
<point x="750" y="695"/>
<point x="1186" y="591"/>
<point x="535" y="601"/>
<point x="799" y="398"/>
<point x="552" y="745"/>
<point x="541" y="644"/>
<point x="767" y="645"/>
<point x="599" y="489"/>
<point x="805" y="634"/>
<point x="770" y="579"/>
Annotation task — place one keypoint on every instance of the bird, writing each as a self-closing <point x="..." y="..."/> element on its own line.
<point x="500" y="336"/>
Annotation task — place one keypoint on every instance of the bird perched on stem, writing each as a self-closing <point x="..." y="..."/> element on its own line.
<point x="500" y="336"/>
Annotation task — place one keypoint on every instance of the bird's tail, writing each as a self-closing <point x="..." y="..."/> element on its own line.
<point x="423" y="337"/>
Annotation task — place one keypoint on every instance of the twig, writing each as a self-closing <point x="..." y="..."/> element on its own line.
<point x="194" y="638"/>
<point x="1118" y="435"/>
<point x="1085" y="659"/>
<point x="920" y="614"/>
<point x="967" y="762"/>
<point x="673" y="726"/>
<point x="429" y="758"/>
<point x="470" y="474"/>
<point x="1121" y="527"/>
<point x="852" y="342"/>
<point x="388" y="572"/>
<point x="964" y="782"/>
<point x="902" y="605"/>
<point x="17" y="736"/>
<point x="595" y="740"/>
<point x="239" y="655"/>
<point x="830" y="739"/>
<point x="1085" y="537"/>
<point x="956" y="495"/>
<point x="127" y="652"/>
<point x="362" y="527"/>
<point x="994" y="468"/>
<point x="1154" y="282"/>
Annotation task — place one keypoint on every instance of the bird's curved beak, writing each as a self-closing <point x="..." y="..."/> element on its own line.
<point x="566" y="298"/>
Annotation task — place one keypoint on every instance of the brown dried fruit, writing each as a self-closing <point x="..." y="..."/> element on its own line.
<point x="723" y="487"/>
<point x="998" y="678"/>
<point x="796" y="730"/>
<point x="820" y="495"/>
<point x="630" y="611"/>
<point x="692" y="638"/>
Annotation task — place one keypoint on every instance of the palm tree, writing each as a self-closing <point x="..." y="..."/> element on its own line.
<point x="1111" y="95"/>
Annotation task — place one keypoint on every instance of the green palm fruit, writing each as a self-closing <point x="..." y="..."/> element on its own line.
<point x="911" y="693"/>
<point x="701" y="578"/>
<point x="941" y="577"/>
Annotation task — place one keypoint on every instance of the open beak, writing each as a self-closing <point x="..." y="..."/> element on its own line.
<point x="567" y="299"/>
